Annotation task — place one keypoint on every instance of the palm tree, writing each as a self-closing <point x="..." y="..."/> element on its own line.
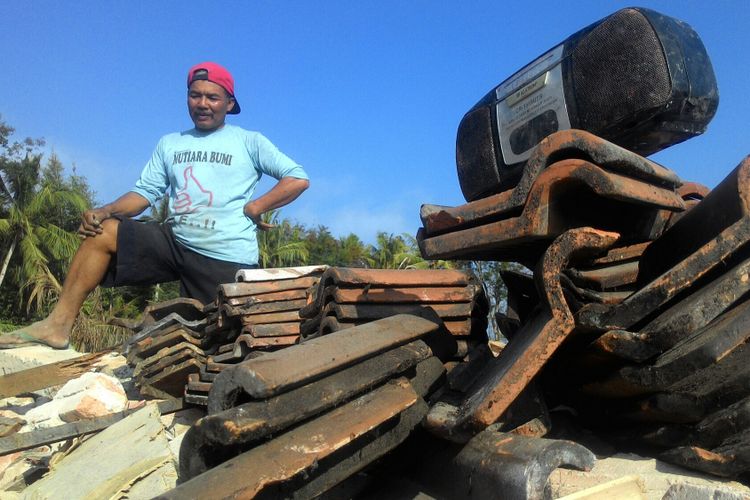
<point x="390" y="251"/>
<point x="27" y="230"/>
<point x="354" y="252"/>
<point x="414" y="260"/>
<point x="402" y="252"/>
<point x="282" y="245"/>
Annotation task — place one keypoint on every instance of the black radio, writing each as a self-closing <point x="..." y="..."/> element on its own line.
<point x="637" y="78"/>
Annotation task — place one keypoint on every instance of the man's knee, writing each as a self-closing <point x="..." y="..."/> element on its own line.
<point x="107" y="239"/>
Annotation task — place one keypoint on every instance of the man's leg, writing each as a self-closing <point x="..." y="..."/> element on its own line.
<point x="89" y="266"/>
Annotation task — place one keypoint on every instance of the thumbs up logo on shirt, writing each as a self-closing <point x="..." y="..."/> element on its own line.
<point x="183" y="201"/>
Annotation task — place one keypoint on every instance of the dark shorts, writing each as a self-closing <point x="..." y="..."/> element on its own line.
<point x="147" y="253"/>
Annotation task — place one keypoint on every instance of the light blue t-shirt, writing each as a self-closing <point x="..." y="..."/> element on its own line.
<point x="210" y="177"/>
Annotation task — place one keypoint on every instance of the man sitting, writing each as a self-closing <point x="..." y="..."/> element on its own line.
<point x="209" y="173"/>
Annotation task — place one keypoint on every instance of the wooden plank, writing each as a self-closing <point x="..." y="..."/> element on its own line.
<point x="107" y="464"/>
<point x="627" y="487"/>
<point x="26" y="440"/>
<point x="41" y="377"/>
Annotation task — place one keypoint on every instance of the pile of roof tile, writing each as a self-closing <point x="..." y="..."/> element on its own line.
<point x="670" y="362"/>
<point x="633" y="317"/>
<point x="347" y="297"/>
<point x="573" y="179"/>
<point x="182" y="341"/>
<point x="638" y="322"/>
<point x="257" y="314"/>
<point x="300" y="420"/>
<point x="270" y="309"/>
<point x="170" y="342"/>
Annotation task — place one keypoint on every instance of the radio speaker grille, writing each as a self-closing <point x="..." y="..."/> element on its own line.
<point x="475" y="152"/>
<point x="618" y="70"/>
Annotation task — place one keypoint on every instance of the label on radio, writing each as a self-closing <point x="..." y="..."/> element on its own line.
<point x="531" y="105"/>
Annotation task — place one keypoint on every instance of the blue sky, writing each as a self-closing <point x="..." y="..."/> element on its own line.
<point x="366" y="95"/>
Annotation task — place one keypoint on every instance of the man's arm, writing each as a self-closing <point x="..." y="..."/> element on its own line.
<point x="129" y="205"/>
<point x="284" y="192"/>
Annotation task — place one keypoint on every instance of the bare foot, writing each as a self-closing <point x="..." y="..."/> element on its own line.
<point x="43" y="332"/>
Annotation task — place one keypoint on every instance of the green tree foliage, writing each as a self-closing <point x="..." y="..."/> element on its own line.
<point x="390" y="251"/>
<point x="37" y="205"/>
<point x="66" y="215"/>
<point x="401" y="252"/>
<point x="291" y="244"/>
<point x="354" y="253"/>
<point x="282" y="246"/>
<point x="322" y="246"/>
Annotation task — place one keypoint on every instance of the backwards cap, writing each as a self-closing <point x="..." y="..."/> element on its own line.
<point x="217" y="74"/>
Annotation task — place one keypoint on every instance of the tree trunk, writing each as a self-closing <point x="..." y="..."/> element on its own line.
<point x="6" y="261"/>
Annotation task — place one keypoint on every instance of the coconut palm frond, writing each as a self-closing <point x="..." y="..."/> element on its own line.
<point x="58" y="243"/>
<point x="48" y="197"/>
<point x="290" y="253"/>
<point x="43" y="289"/>
<point x="33" y="259"/>
<point x="281" y="246"/>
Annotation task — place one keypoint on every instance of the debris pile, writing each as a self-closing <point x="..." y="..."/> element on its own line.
<point x="79" y="427"/>
<point x="302" y="419"/>
<point x="635" y="315"/>
<point x="633" y="319"/>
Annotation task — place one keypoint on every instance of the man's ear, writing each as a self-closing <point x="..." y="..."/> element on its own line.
<point x="231" y="104"/>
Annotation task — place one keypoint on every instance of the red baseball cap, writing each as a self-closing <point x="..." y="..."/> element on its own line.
<point x="217" y="74"/>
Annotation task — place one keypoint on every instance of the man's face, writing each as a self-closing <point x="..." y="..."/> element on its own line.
<point x="208" y="104"/>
